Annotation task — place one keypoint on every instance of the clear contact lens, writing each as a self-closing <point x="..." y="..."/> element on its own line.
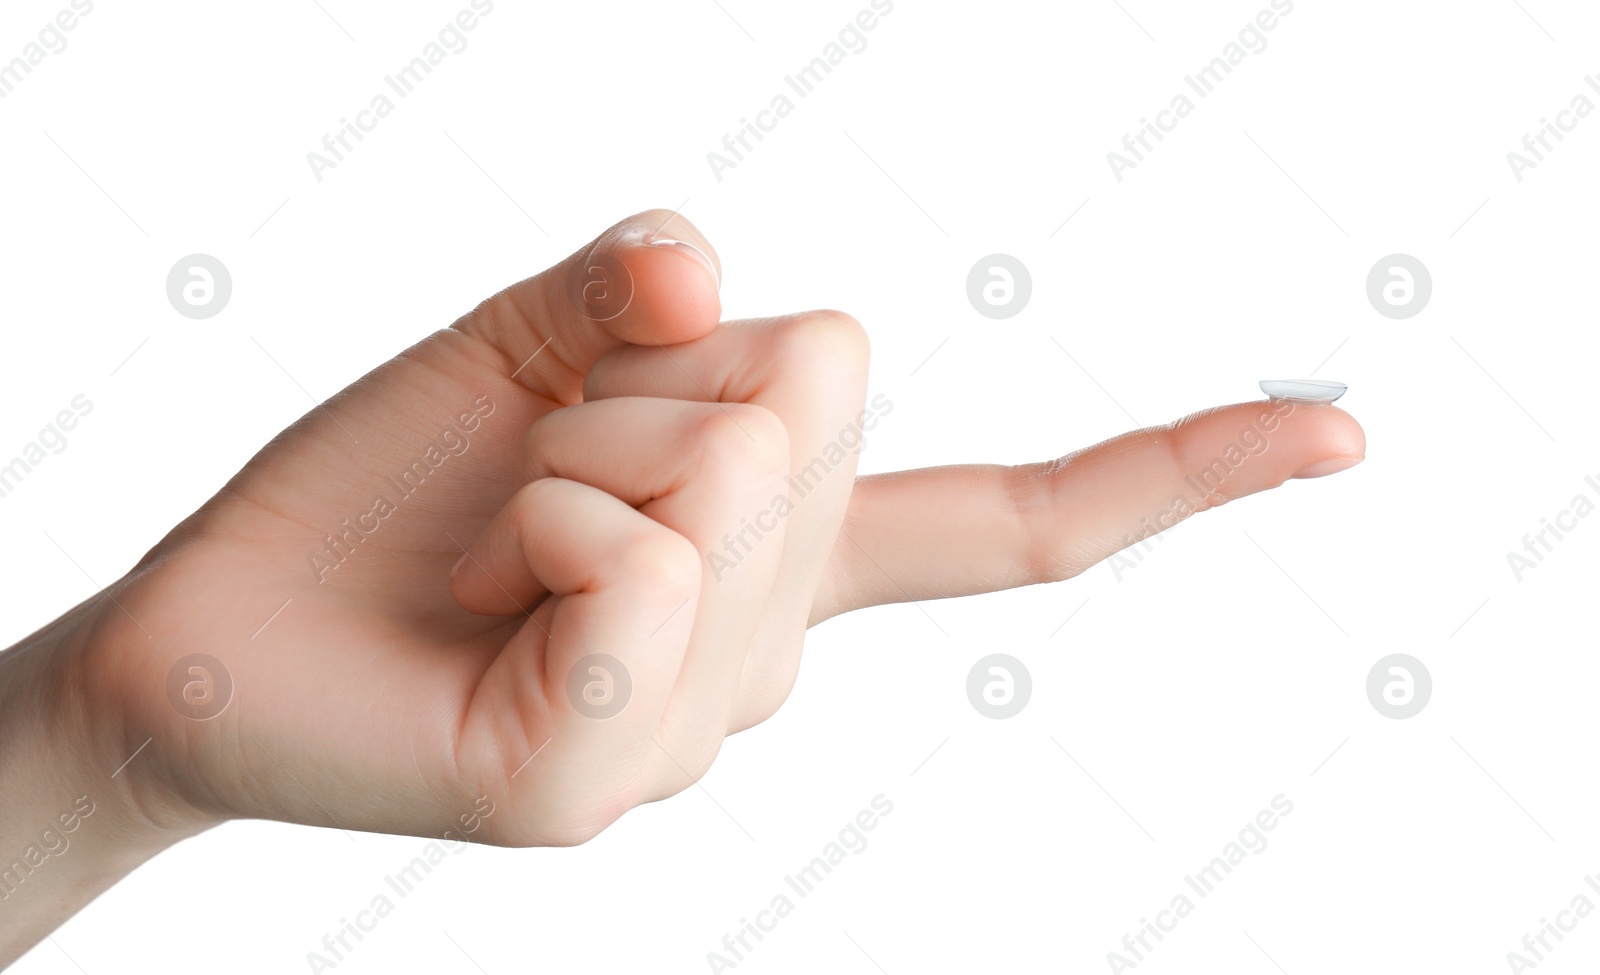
<point x="1303" y="390"/>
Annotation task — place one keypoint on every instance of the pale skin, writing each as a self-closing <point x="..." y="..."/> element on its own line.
<point x="600" y="476"/>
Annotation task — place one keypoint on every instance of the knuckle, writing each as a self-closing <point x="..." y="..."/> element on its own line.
<point x="1031" y="490"/>
<point x="534" y="498"/>
<point x="663" y="562"/>
<point x="827" y="340"/>
<point x="580" y="810"/>
<point x="764" y="699"/>
<point x="1214" y="475"/>
<point x="742" y="439"/>
<point x="685" y="767"/>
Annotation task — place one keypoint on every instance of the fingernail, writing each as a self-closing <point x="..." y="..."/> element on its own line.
<point x="1323" y="468"/>
<point x="688" y="249"/>
<point x="454" y="569"/>
<point x="1303" y="390"/>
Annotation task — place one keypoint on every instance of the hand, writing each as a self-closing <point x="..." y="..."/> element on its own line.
<point x="627" y="479"/>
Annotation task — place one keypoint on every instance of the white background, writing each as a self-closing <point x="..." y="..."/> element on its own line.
<point x="1221" y="672"/>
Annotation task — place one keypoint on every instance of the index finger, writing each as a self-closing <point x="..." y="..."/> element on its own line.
<point x="956" y="531"/>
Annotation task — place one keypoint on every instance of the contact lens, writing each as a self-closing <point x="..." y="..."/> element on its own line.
<point x="1303" y="390"/>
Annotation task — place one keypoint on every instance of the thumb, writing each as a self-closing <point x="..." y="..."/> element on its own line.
<point x="955" y="531"/>
<point x="652" y="279"/>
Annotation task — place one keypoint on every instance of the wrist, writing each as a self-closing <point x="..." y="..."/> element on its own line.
<point x="79" y="814"/>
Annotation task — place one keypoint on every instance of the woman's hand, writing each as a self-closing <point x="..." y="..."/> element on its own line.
<point x="645" y="510"/>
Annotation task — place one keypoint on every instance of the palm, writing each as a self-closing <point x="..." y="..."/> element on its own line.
<point x="369" y="676"/>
